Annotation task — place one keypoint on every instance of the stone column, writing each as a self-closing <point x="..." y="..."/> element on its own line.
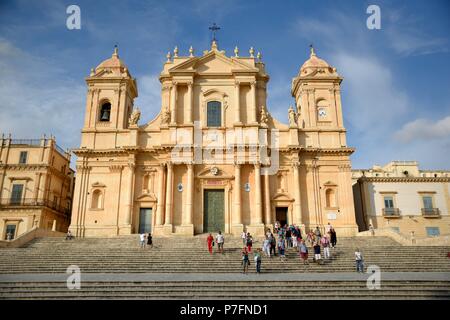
<point x="237" y="194"/>
<point x="188" y="216"/>
<point x="160" y="206"/>
<point x="130" y="186"/>
<point x="258" y="197"/>
<point x="268" y="216"/>
<point x="191" y="102"/>
<point x="297" y="204"/>
<point x="253" y="102"/>
<point x="2" y="178"/>
<point x="169" y="199"/>
<point x="173" y="103"/>
<point x="237" y="102"/>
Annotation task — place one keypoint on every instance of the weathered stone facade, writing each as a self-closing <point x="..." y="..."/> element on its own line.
<point x="214" y="158"/>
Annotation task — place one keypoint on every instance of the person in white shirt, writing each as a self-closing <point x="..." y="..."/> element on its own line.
<point x="266" y="247"/>
<point x="220" y="240"/>
<point x="142" y="240"/>
<point x="328" y="228"/>
<point x="244" y="238"/>
<point x="359" y="261"/>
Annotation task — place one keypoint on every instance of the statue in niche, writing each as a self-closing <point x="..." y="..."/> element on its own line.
<point x="135" y="116"/>
<point x="165" y="116"/>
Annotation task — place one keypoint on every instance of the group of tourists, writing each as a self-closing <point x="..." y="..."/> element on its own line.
<point x="285" y="238"/>
<point x="220" y="239"/>
<point x="145" y="239"/>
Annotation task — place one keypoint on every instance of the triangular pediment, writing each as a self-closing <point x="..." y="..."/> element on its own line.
<point x="150" y="197"/>
<point x="212" y="62"/>
<point x="282" y="197"/>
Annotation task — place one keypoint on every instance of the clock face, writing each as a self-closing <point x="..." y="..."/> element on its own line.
<point x="322" y="113"/>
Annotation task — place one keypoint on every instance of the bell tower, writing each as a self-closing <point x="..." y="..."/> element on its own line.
<point x="109" y="103"/>
<point x="316" y="90"/>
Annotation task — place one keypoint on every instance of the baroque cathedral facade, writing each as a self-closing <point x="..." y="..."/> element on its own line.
<point x="214" y="158"/>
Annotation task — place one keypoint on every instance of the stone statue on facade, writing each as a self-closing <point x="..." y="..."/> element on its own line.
<point x="264" y="115"/>
<point x="165" y="116"/>
<point x="135" y="116"/>
<point x="292" y="117"/>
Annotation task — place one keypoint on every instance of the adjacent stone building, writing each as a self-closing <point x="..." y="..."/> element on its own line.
<point x="403" y="197"/>
<point x="36" y="186"/>
<point x="214" y="158"/>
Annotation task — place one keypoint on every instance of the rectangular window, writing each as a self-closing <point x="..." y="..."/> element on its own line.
<point x="16" y="194"/>
<point x="214" y="114"/>
<point x="23" y="157"/>
<point x="432" y="231"/>
<point x="427" y="202"/>
<point x="10" y="231"/>
<point x="388" y="202"/>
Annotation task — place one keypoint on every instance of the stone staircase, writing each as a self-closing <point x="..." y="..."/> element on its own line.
<point x="272" y="290"/>
<point x="188" y="257"/>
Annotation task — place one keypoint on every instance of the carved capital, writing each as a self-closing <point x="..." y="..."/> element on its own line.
<point x="116" y="168"/>
<point x="295" y="164"/>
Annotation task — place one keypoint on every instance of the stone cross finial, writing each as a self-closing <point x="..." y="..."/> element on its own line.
<point x="214" y="28"/>
<point x="191" y="52"/>
<point x="252" y="52"/>
<point x="236" y="51"/>
<point x="175" y="52"/>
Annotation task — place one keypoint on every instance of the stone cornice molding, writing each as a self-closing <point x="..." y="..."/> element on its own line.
<point x="24" y="167"/>
<point x="405" y="179"/>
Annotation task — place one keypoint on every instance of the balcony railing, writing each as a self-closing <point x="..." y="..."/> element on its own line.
<point x="28" y="142"/>
<point x="391" y="212"/>
<point x="11" y="203"/>
<point x="430" y="212"/>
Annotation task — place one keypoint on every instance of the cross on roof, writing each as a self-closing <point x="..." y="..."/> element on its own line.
<point x="214" y="28"/>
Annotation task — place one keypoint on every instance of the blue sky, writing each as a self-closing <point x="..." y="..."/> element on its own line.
<point x="396" y="80"/>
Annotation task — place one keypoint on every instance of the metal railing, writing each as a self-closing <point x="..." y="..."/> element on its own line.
<point x="391" y="212"/>
<point x="28" y="142"/>
<point x="60" y="150"/>
<point x="27" y="202"/>
<point x="430" y="211"/>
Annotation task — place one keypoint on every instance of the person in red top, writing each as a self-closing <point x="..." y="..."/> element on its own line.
<point x="210" y="240"/>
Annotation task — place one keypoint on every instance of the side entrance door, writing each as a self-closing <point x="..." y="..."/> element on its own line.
<point x="145" y="220"/>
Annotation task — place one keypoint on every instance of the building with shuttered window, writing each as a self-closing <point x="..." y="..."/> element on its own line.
<point x="36" y="186"/>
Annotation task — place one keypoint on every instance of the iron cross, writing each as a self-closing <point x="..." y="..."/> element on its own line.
<point x="214" y="29"/>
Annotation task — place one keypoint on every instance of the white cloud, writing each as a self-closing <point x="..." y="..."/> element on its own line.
<point x="424" y="129"/>
<point x="36" y="100"/>
<point x="375" y="105"/>
<point x="407" y="35"/>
